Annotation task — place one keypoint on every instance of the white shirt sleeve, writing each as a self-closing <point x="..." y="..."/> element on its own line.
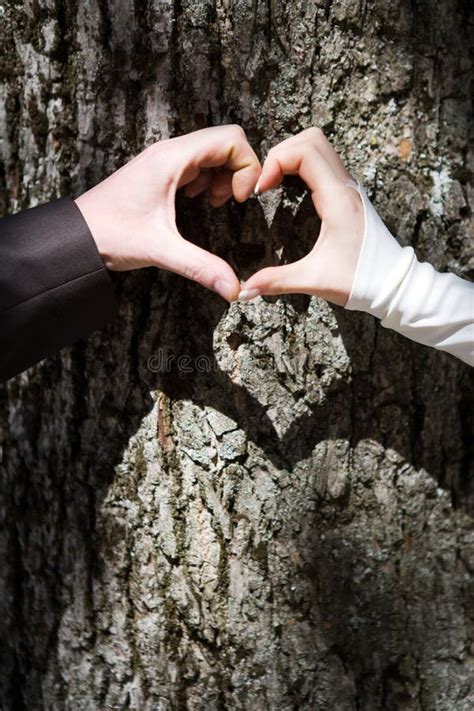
<point x="409" y="296"/>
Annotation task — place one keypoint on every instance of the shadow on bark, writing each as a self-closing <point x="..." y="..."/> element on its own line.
<point x="407" y="397"/>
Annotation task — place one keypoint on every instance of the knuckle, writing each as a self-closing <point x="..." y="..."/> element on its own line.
<point x="191" y="271"/>
<point x="153" y="149"/>
<point x="221" y="191"/>
<point x="237" y="130"/>
<point x="157" y="150"/>
<point x="316" y="134"/>
<point x="274" y="151"/>
<point x="195" y="272"/>
<point x="350" y="200"/>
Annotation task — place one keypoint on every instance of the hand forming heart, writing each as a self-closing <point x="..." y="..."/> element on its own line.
<point x="328" y="270"/>
<point x="131" y="214"/>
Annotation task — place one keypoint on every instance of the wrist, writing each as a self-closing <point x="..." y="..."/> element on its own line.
<point x="92" y="212"/>
<point x="338" y="248"/>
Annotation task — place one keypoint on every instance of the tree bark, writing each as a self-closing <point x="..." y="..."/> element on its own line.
<point x="261" y="506"/>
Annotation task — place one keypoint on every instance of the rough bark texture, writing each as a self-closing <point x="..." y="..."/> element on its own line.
<point x="284" y="520"/>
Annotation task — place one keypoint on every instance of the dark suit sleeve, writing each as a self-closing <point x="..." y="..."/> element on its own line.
<point x="54" y="288"/>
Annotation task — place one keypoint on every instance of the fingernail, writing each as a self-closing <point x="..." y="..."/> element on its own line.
<point x="256" y="190"/>
<point x="224" y="289"/>
<point x="247" y="294"/>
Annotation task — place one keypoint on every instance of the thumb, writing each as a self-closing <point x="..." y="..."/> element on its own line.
<point x="295" y="278"/>
<point x="195" y="263"/>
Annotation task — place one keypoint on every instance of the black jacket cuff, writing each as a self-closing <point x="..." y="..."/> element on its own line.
<point x="54" y="288"/>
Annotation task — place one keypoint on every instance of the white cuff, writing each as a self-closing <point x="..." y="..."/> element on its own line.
<point x="409" y="296"/>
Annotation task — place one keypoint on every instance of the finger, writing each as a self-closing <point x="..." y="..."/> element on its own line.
<point x="199" y="184"/>
<point x="314" y="137"/>
<point x="221" y="188"/>
<point x="272" y="170"/>
<point x="296" y="146"/>
<point x="195" y="263"/>
<point x="226" y="146"/>
<point x="307" y="162"/>
<point x="271" y="176"/>
<point x="298" y="158"/>
<point x="295" y="278"/>
<point x="317" y="137"/>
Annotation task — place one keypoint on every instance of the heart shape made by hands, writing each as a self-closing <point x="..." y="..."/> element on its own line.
<point x="329" y="267"/>
<point x="132" y="213"/>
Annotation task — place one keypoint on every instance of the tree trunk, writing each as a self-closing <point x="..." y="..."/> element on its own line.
<point x="261" y="506"/>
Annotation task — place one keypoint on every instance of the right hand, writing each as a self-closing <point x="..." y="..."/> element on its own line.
<point x="329" y="269"/>
<point x="131" y="214"/>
